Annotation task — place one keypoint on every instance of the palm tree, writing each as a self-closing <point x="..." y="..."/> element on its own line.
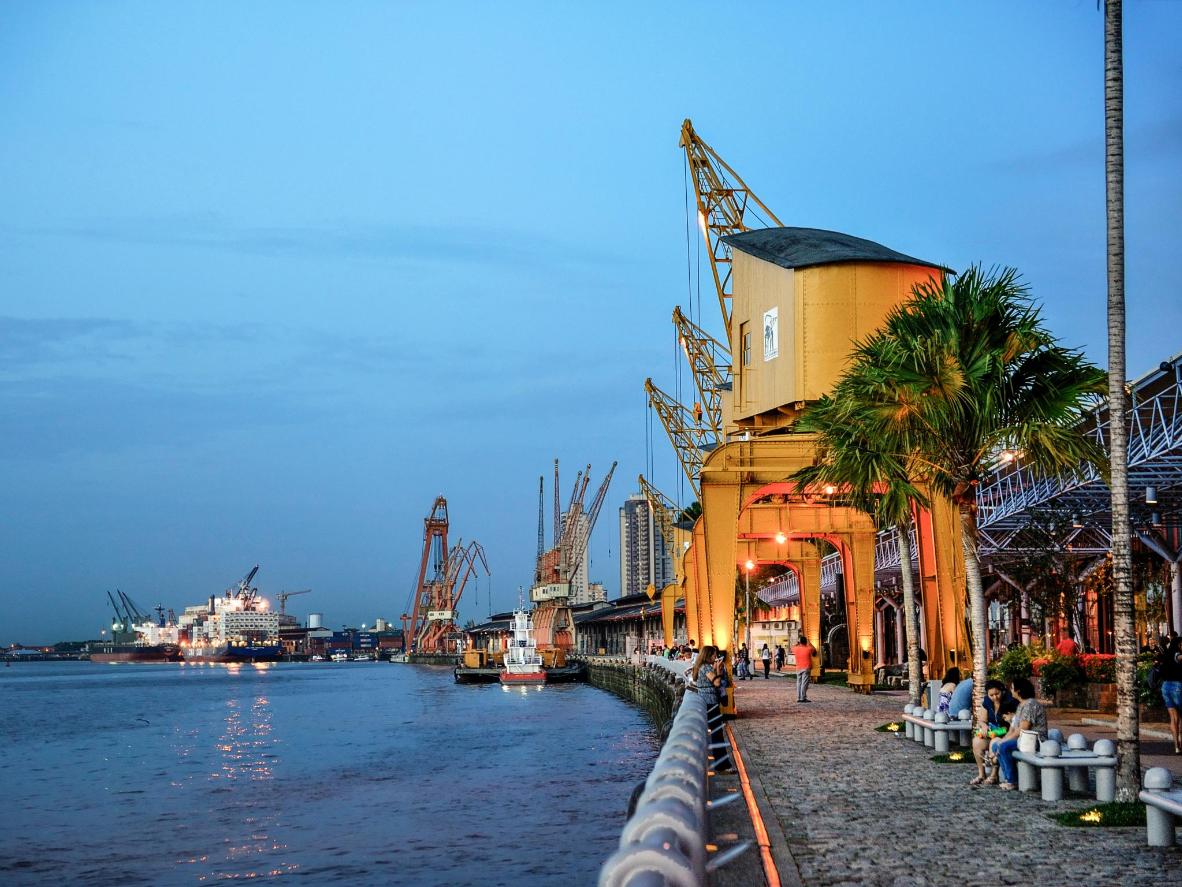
<point x="872" y="480"/>
<point x="961" y="379"/>
<point x="1128" y="775"/>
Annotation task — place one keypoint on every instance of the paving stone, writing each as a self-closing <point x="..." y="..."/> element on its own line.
<point x="864" y="808"/>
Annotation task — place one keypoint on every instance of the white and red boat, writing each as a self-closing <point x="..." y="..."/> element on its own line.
<point x="523" y="663"/>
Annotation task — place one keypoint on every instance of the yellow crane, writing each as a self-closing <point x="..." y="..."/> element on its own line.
<point x="725" y="206"/>
<point x="691" y="438"/>
<point x="709" y="362"/>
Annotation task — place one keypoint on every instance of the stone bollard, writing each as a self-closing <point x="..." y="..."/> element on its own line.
<point x="1077" y="777"/>
<point x="1056" y="734"/>
<point x="1159" y="824"/>
<point x="1027" y="773"/>
<point x="1052" y="777"/>
<point x="941" y="736"/>
<point x="907" y="725"/>
<point x="929" y="738"/>
<point x="964" y="736"/>
<point x="1105" y="776"/>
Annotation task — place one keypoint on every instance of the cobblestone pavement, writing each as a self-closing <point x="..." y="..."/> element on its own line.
<point x="864" y="808"/>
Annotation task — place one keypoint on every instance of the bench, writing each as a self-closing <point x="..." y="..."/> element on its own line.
<point x="933" y="730"/>
<point x="1163" y="806"/>
<point x="1052" y="759"/>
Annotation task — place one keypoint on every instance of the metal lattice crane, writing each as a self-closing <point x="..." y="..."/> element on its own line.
<point x="691" y="439"/>
<point x="664" y="512"/>
<point x="709" y="362"/>
<point x="725" y="206"/>
<point x="447" y="589"/>
<point x="435" y="552"/>
<point x="284" y="595"/>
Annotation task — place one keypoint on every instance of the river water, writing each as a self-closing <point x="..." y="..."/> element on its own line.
<point x="359" y="773"/>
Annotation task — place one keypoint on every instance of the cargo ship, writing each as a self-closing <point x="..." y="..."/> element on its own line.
<point x="236" y="626"/>
<point x="138" y="637"/>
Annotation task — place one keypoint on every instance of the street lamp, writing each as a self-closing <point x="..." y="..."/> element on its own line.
<point x="750" y="565"/>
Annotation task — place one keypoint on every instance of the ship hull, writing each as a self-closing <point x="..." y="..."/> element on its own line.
<point x="131" y="653"/>
<point x="233" y="654"/>
<point x="522" y="678"/>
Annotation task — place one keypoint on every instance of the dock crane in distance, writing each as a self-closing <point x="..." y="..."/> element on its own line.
<point x="284" y="595"/>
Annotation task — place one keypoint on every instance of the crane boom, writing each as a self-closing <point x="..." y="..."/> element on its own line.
<point x="725" y="206"/>
<point x="579" y="544"/>
<point x="664" y="512"/>
<point x="709" y="362"/>
<point x="690" y="440"/>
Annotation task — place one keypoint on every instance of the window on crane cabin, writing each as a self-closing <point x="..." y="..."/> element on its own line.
<point x="745" y="345"/>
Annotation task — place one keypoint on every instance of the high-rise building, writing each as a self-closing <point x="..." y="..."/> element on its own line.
<point x="596" y="592"/>
<point x="643" y="558"/>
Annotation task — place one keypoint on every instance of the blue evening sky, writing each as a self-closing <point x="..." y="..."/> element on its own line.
<point x="273" y="275"/>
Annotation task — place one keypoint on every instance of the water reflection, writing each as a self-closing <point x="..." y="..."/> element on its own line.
<point x="247" y="755"/>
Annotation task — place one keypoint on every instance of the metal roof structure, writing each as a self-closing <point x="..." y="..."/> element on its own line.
<point x="807" y="247"/>
<point x="1006" y="501"/>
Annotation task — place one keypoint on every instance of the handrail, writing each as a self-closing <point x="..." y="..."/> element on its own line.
<point x="665" y="840"/>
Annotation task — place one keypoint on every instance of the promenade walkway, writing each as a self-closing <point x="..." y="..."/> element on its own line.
<point x="845" y="805"/>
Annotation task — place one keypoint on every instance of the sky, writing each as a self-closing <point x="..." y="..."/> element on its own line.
<point x="274" y="275"/>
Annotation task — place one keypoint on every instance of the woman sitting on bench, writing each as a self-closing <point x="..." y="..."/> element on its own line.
<point x="994" y="706"/>
<point x="1030" y="716"/>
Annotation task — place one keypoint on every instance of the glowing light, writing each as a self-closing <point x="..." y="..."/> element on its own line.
<point x="830" y="489"/>
<point x="893" y="728"/>
<point x="956" y="756"/>
<point x="750" y="565"/>
<point x="781" y="538"/>
<point x="1091" y="816"/>
<point x="702" y="221"/>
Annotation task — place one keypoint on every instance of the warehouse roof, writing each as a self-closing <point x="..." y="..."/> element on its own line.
<point x="806" y="247"/>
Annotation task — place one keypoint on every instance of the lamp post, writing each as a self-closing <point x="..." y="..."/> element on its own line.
<point x="750" y="565"/>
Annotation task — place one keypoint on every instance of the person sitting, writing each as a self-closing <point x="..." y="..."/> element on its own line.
<point x="991" y="725"/>
<point x="947" y="688"/>
<point x="704" y="677"/>
<point x="1029" y="716"/>
<point x="961" y="699"/>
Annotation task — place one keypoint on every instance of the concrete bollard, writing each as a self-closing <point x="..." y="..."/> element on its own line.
<point x="928" y="734"/>
<point x="1056" y="734"/>
<point x="1105" y="776"/>
<point x="907" y="725"/>
<point x="1027" y="773"/>
<point x="941" y="736"/>
<point x="1159" y="824"/>
<point x="1052" y="777"/>
<point x="1077" y="777"/>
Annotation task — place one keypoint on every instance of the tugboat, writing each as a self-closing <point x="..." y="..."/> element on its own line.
<point x="523" y="664"/>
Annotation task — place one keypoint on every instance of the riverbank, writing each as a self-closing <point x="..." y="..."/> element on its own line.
<point x="650" y="690"/>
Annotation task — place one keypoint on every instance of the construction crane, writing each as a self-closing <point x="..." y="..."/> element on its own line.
<point x="284" y="595"/>
<point x="691" y="439"/>
<point x="709" y="362"/>
<point x="243" y="590"/>
<point x="725" y="206"/>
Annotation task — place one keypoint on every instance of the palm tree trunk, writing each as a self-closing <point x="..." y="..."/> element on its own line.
<point x="1128" y="774"/>
<point x="914" y="666"/>
<point x="976" y="593"/>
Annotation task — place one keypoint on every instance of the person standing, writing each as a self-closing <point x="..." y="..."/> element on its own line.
<point x="779" y="658"/>
<point x="803" y="653"/>
<point x="765" y="656"/>
<point x="1169" y="664"/>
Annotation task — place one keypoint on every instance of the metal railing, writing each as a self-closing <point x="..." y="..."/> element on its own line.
<point x="665" y="841"/>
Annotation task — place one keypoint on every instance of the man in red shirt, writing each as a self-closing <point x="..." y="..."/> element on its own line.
<point x="803" y="653"/>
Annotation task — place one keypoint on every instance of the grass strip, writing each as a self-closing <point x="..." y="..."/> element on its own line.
<point x="1114" y="815"/>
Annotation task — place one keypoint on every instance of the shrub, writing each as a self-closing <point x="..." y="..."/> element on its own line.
<point x="1060" y="672"/>
<point x="1014" y="664"/>
<point x="1099" y="668"/>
